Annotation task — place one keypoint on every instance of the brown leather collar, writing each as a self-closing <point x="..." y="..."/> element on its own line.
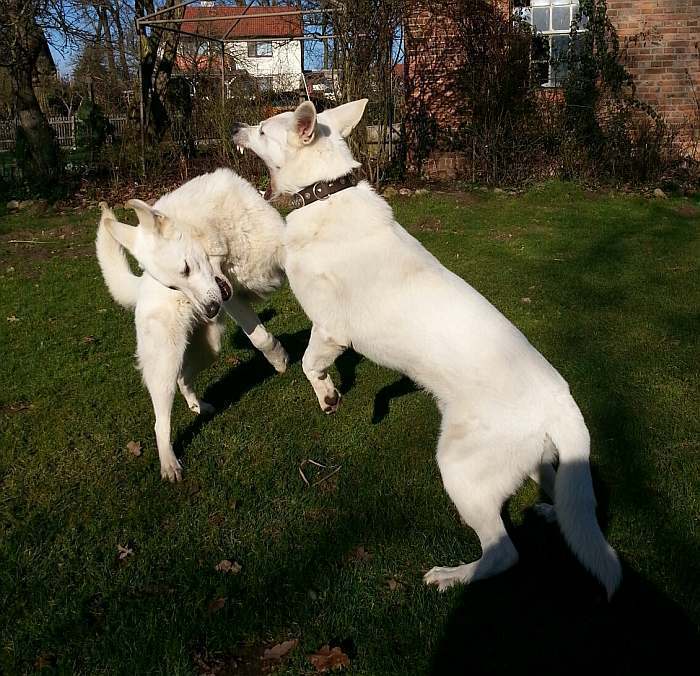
<point x="321" y="190"/>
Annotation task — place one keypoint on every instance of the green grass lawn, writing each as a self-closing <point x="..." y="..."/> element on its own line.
<point x="605" y="286"/>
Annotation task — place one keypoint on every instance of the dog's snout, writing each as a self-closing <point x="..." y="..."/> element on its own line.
<point x="224" y="287"/>
<point x="236" y="127"/>
<point x="212" y="309"/>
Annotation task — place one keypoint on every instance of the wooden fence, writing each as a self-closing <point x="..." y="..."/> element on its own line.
<point x="63" y="126"/>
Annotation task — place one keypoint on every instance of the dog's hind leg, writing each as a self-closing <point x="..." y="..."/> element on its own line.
<point x="478" y="481"/>
<point x="320" y="354"/>
<point x="160" y="351"/>
<point x="259" y="336"/>
<point x="545" y="475"/>
<point x="201" y="352"/>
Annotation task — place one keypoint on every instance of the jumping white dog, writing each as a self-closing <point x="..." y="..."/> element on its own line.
<point x="365" y="282"/>
<point x="212" y="241"/>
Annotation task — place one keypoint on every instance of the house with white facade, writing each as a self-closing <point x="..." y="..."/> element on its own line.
<point x="262" y="42"/>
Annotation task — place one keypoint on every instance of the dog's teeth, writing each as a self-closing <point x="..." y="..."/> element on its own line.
<point x="240" y="149"/>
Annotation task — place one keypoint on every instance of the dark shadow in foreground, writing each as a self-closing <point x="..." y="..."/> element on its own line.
<point x="547" y="616"/>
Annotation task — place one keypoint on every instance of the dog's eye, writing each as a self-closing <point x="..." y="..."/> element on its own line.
<point x="186" y="271"/>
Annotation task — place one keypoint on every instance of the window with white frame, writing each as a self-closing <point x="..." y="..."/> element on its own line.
<point x="259" y="49"/>
<point x="551" y="22"/>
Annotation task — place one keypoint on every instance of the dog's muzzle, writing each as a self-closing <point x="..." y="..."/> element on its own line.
<point x="224" y="287"/>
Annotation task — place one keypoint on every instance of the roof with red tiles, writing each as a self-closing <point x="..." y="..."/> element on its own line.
<point x="261" y="26"/>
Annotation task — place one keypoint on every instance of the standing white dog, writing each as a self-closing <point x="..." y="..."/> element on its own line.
<point x="212" y="229"/>
<point x="365" y="282"/>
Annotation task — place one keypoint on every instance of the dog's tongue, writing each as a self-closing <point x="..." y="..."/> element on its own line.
<point x="268" y="193"/>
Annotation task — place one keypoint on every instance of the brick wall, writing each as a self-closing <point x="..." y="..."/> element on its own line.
<point x="663" y="43"/>
<point x="662" y="39"/>
<point x="434" y="107"/>
<point x="432" y="58"/>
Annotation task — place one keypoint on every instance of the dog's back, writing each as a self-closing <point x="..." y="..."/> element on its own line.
<point x="233" y="222"/>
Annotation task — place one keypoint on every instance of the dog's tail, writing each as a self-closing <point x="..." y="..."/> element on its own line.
<point x="575" y="503"/>
<point x="121" y="282"/>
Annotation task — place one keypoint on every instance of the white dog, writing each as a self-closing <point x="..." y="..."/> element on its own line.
<point x="365" y="282"/>
<point x="214" y="240"/>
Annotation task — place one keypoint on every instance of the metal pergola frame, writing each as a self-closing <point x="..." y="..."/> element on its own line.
<point x="155" y="20"/>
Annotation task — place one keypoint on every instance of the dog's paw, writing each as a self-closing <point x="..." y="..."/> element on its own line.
<point x="279" y="358"/>
<point x="444" y="578"/>
<point x="201" y="407"/>
<point x="545" y="511"/>
<point x="331" y="402"/>
<point x="172" y="471"/>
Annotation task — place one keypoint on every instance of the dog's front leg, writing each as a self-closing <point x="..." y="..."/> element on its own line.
<point x="321" y="352"/>
<point x="259" y="336"/>
<point x="160" y="352"/>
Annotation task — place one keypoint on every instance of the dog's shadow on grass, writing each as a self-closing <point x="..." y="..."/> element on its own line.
<point x="383" y="398"/>
<point x="245" y="376"/>
<point x="547" y="616"/>
<point x="239" y="380"/>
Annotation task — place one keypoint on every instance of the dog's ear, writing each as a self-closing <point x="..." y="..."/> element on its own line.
<point x="152" y="219"/>
<point x="305" y="122"/>
<point x="344" y="118"/>
<point x="123" y="233"/>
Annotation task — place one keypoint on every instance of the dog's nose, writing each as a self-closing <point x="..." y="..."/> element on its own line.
<point x="224" y="287"/>
<point x="236" y="127"/>
<point x="212" y="309"/>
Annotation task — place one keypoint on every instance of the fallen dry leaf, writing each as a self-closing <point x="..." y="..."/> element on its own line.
<point x="329" y="659"/>
<point x="393" y="583"/>
<point x="217" y="519"/>
<point x="12" y="318"/>
<point x="280" y="650"/>
<point x="526" y="300"/>
<point x="89" y="339"/>
<point x="227" y="566"/>
<point x="134" y="447"/>
<point x="123" y="552"/>
<point x="359" y="554"/>
<point x="216" y="605"/>
<point x="232" y="360"/>
<point x="45" y="660"/>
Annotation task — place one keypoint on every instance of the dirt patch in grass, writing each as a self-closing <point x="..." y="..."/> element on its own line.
<point x="248" y="660"/>
<point x="688" y="211"/>
<point x="16" y="407"/>
<point x="466" y="199"/>
<point x="428" y="224"/>
<point x="65" y="242"/>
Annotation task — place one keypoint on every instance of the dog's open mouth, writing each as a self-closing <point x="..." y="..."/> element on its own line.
<point x="224" y="287"/>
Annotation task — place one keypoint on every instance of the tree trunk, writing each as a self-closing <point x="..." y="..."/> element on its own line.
<point x="155" y="75"/>
<point x="37" y="138"/>
<point x="108" y="47"/>
<point x="121" y="42"/>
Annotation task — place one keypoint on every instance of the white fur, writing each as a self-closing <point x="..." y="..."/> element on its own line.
<point x="366" y="283"/>
<point x="216" y="225"/>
